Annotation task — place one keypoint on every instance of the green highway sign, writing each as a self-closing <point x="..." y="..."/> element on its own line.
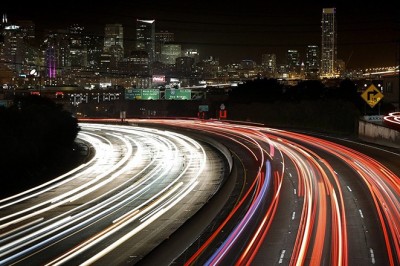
<point x="142" y="94"/>
<point x="150" y="94"/>
<point x="178" y="94"/>
<point x="203" y="108"/>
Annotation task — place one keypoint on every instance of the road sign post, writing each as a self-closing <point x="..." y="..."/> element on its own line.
<point x="222" y="112"/>
<point x="122" y="115"/>
<point x="372" y="95"/>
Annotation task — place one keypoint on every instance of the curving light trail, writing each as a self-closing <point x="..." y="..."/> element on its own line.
<point x="136" y="176"/>
<point x="322" y="229"/>
<point x="393" y="120"/>
<point x="139" y="175"/>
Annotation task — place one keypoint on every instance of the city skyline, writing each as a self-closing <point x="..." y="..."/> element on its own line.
<point x="367" y="35"/>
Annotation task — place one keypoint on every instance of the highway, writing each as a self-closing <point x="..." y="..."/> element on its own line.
<point x="140" y="185"/>
<point x="305" y="201"/>
<point x="275" y="198"/>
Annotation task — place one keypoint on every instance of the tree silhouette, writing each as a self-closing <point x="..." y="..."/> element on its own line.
<point x="37" y="136"/>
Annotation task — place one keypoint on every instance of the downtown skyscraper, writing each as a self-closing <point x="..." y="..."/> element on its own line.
<point x="268" y="62"/>
<point x="145" y="37"/>
<point x="114" y="39"/>
<point x="329" y="43"/>
<point x="312" y="62"/>
<point x="113" y="49"/>
<point x="162" y="38"/>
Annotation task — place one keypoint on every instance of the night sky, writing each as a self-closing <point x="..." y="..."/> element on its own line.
<point x="368" y="31"/>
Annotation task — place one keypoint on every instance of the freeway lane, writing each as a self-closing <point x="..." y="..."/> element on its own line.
<point x="330" y="204"/>
<point x="365" y="240"/>
<point x="139" y="187"/>
<point x="294" y="199"/>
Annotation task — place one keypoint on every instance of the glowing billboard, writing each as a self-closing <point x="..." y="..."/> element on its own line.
<point x="158" y="79"/>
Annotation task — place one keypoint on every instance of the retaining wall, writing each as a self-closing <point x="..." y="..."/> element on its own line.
<point x="379" y="134"/>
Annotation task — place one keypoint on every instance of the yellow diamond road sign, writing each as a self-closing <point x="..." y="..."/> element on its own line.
<point x="372" y="95"/>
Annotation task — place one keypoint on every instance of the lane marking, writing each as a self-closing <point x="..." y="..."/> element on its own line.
<point x="372" y="255"/>
<point x="281" y="257"/>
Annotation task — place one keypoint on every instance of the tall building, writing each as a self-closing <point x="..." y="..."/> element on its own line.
<point x="78" y="49"/>
<point x="329" y="42"/>
<point x="113" y="50"/>
<point x="56" y="51"/>
<point x="248" y="64"/>
<point x="268" y="62"/>
<point x="193" y="53"/>
<point x="293" y="61"/>
<point x="312" y="61"/>
<point x="17" y="46"/>
<point x="12" y="47"/>
<point x="27" y="28"/>
<point x="170" y="52"/>
<point x="136" y="64"/>
<point x="94" y="44"/>
<point x="31" y="47"/>
<point x="113" y="36"/>
<point x="184" y="65"/>
<point x="162" y="38"/>
<point x="145" y="37"/>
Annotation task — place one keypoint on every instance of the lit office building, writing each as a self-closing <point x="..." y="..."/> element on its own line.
<point x="170" y="52"/>
<point x="78" y="50"/>
<point x="114" y="42"/>
<point x="13" y="47"/>
<point x="145" y="37"/>
<point x="293" y="62"/>
<point x="162" y="38"/>
<point x="184" y="65"/>
<point x="328" y="44"/>
<point x="193" y="53"/>
<point x="27" y="28"/>
<point x="113" y="36"/>
<point x="31" y="52"/>
<point x="94" y="46"/>
<point x="268" y="62"/>
<point x="15" y="44"/>
<point x="56" y="51"/>
<point x="247" y="64"/>
<point x="136" y="64"/>
<point x="312" y="62"/>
